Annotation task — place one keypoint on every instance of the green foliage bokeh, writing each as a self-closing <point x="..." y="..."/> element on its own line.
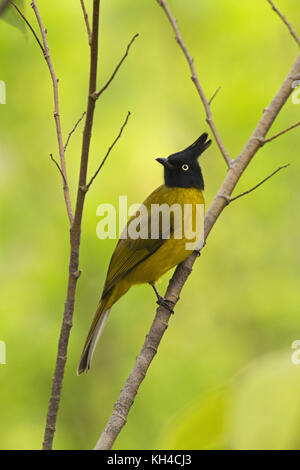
<point x="242" y="301"/>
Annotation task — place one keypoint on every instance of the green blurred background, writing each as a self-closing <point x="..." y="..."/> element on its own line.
<point x="223" y="377"/>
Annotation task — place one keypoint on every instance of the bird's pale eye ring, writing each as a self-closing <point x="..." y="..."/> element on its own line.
<point x="185" y="167"/>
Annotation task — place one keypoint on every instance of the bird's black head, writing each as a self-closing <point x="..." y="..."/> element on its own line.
<point x="182" y="169"/>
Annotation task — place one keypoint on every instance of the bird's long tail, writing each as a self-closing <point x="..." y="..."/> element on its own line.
<point x="93" y="337"/>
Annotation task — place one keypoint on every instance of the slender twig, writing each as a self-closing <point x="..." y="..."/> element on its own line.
<point x="195" y="79"/>
<point x="58" y="167"/>
<point x="259" y="184"/>
<point x="126" y="398"/>
<point x="108" y="151"/>
<point x="56" y="112"/>
<point x="229" y="199"/>
<point x="73" y="130"/>
<point x="45" y="50"/>
<point x="214" y="95"/>
<point x="99" y="93"/>
<point x="28" y="24"/>
<point x="74" y="271"/>
<point x="280" y="133"/>
<point x="286" y="22"/>
<point x="87" y="23"/>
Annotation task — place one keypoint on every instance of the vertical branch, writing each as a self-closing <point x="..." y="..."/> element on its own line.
<point x="74" y="272"/>
<point x="56" y="112"/>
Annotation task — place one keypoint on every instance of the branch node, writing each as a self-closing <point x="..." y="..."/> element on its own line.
<point x="226" y="197"/>
<point x="63" y="358"/>
<point x="94" y="96"/>
<point x="77" y="273"/>
<point x="150" y="346"/>
<point x="260" y="140"/>
<point x="119" y="415"/>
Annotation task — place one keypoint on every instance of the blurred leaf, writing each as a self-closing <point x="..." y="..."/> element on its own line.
<point x="12" y="17"/>
<point x="265" y="408"/>
<point x="201" y="426"/>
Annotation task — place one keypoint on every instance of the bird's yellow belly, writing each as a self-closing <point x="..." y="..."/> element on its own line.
<point x="169" y="255"/>
<point x="174" y="250"/>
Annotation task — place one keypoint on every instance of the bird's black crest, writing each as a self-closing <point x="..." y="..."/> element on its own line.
<point x="194" y="150"/>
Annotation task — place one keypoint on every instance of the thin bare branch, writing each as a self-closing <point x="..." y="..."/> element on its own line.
<point x="108" y="151"/>
<point x="286" y="22"/>
<point x="58" y="167"/>
<point x="229" y="199"/>
<point x="99" y="93"/>
<point x="195" y="79"/>
<point x="281" y="133"/>
<point x="87" y="23"/>
<point x="28" y="24"/>
<point x="214" y="95"/>
<point x="56" y="112"/>
<point x="75" y="236"/>
<point x="73" y="130"/>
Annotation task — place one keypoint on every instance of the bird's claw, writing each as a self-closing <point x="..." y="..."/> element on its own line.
<point x="167" y="304"/>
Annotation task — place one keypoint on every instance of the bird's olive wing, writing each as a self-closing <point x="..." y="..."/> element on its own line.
<point x="132" y="251"/>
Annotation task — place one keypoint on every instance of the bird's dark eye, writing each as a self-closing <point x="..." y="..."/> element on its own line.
<point x="185" y="167"/>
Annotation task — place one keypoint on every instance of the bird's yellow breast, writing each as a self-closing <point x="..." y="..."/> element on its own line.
<point x="174" y="250"/>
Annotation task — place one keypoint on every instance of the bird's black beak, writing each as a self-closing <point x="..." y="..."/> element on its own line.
<point x="165" y="162"/>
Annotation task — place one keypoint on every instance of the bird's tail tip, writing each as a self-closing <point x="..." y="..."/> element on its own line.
<point x="84" y="363"/>
<point x="88" y="350"/>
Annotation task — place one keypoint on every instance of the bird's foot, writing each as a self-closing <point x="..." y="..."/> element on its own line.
<point x="167" y="304"/>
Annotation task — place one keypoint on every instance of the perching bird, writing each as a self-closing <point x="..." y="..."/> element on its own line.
<point x="145" y="260"/>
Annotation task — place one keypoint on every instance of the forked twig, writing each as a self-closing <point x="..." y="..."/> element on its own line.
<point x="108" y="151"/>
<point x="229" y="199"/>
<point x="73" y="130"/>
<point x="214" y="95"/>
<point x="97" y="94"/>
<point x="28" y="24"/>
<point x="195" y="79"/>
<point x="281" y="133"/>
<point x="45" y="50"/>
<point x="58" y="167"/>
<point x="56" y="112"/>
